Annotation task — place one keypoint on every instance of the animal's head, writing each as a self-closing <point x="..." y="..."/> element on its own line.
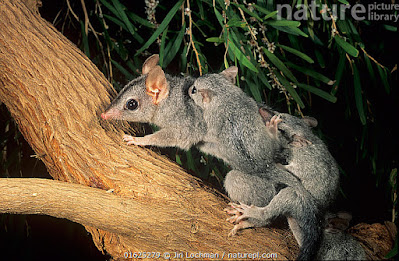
<point x="139" y="99"/>
<point x="205" y="88"/>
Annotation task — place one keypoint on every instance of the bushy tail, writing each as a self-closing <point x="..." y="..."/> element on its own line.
<point x="311" y="229"/>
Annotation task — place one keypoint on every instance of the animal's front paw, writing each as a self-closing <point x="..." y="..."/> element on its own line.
<point x="139" y="141"/>
<point x="272" y="126"/>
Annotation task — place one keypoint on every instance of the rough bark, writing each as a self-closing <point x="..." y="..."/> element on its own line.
<point x="129" y="198"/>
<point x="56" y="96"/>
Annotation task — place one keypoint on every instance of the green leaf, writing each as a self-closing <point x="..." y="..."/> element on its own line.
<point x="190" y="161"/>
<point x="201" y="9"/>
<point x="122" y="69"/>
<point x="121" y="50"/>
<point x="339" y="72"/>
<point x="358" y="94"/>
<point x="178" y="159"/>
<point x="320" y="58"/>
<point x="289" y="88"/>
<point x="214" y="40"/>
<point x="241" y="57"/>
<point x="290" y="30"/>
<point x="384" y="78"/>
<point x="283" y="23"/>
<point x="236" y="23"/>
<point x="254" y="88"/>
<point x="270" y="15"/>
<point x="354" y="31"/>
<point x="347" y="47"/>
<point x="312" y="73"/>
<point x="262" y="10"/>
<point x="110" y="7"/>
<point x="369" y="66"/>
<point x="122" y="15"/>
<point x="325" y="95"/>
<point x="344" y="2"/>
<point x="171" y="51"/>
<point x="219" y="17"/>
<point x="132" y="67"/>
<point x="86" y="47"/>
<point x="116" y="21"/>
<point x="161" y="27"/>
<point x="297" y="53"/>
<point x="162" y="47"/>
<point x="248" y="12"/>
<point x="140" y="20"/>
<point x="280" y="65"/>
<point x="183" y="58"/>
<point x="264" y="80"/>
<point x="343" y="27"/>
<point x="390" y="28"/>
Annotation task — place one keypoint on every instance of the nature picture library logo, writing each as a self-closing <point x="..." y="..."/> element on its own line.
<point x="377" y="11"/>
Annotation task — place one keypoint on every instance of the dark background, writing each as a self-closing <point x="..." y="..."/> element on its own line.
<point x="36" y="237"/>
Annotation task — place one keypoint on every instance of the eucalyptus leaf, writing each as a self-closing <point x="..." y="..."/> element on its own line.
<point x="290" y="89"/>
<point x="171" y="52"/>
<point x="280" y="65"/>
<point x="252" y="14"/>
<point x="323" y="94"/>
<point x="241" y="57"/>
<point x="290" y="30"/>
<point x="162" y="47"/>
<point x="311" y="73"/>
<point x="122" y="15"/>
<point x="214" y="40"/>
<point x="339" y="72"/>
<point x="283" y="23"/>
<point x="347" y="47"/>
<point x="297" y="53"/>
<point x="161" y="27"/>
<point x="122" y="69"/>
<point x="383" y="75"/>
<point x="358" y="94"/>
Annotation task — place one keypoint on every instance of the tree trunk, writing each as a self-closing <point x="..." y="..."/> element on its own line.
<point x="56" y="96"/>
<point x="129" y="198"/>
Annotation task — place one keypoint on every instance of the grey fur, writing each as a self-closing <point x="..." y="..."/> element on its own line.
<point x="309" y="160"/>
<point x="179" y="119"/>
<point x="240" y="138"/>
<point x="337" y="244"/>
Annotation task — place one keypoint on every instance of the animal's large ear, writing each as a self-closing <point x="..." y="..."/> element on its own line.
<point x="266" y="114"/>
<point x="156" y="85"/>
<point x="150" y="63"/>
<point x="230" y="74"/>
<point x="310" y="121"/>
<point x="206" y="95"/>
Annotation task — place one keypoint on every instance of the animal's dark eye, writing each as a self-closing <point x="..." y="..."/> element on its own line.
<point x="194" y="90"/>
<point x="132" y="104"/>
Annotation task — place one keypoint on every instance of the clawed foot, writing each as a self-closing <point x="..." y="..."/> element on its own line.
<point x="241" y="225"/>
<point x="244" y="212"/>
<point x="237" y="218"/>
<point x="130" y="140"/>
<point x="235" y="213"/>
<point x="272" y="125"/>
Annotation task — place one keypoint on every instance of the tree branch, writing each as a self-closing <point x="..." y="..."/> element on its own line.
<point x="81" y="204"/>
